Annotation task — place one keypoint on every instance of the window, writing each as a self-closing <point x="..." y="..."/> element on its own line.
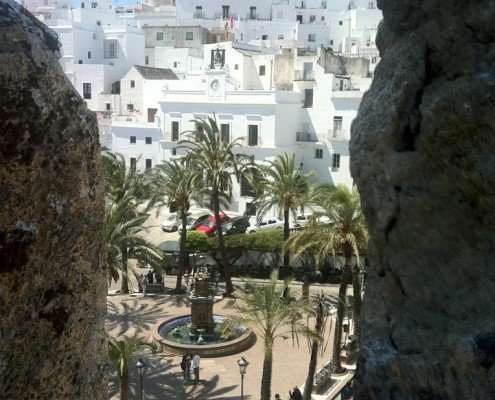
<point x="246" y="187"/>
<point x="262" y="70"/>
<point x="252" y="12"/>
<point x="319" y="153"/>
<point x="189" y="35"/>
<point x="148" y="140"/>
<point x="146" y="60"/>
<point x="175" y="131"/>
<point x="133" y="163"/>
<point x="148" y="164"/>
<point x="311" y="37"/>
<point x="323" y="18"/>
<point x="110" y="49"/>
<point x="264" y="37"/>
<point x="280" y="37"/>
<point x="94" y="5"/>
<point x="107" y="106"/>
<point x="132" y="139"/>
<point x="199" y="12"/>
<point x="130" y="107"/>
<point x="115" y="88"/>
<point x="336" y="161"/>
<point x="340" y="22"/>
<point x="331" y="42"/>
<point x="312" y="18"/>
<point x="159" y="36"/>
<point x="89" y="54"/>
<point x="86" y="90"/>
<point x="98" y="22"/>
<point x="151" y="114"/>
<point x="308" y="98"/>
<point x="175" y="64"/>
<point x="174" y="151"/>
<point x="337" y="124"/>
<point x="80" y="61"/>
<point x="253" y="135"/>
<point x="133" y="84"/>
<point x="82" y="5"/>
<point x="225" y="133"/>
<point x="236" y="66"/>
<point x="225" y="12"/>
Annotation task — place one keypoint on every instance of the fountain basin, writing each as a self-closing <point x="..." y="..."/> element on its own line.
<point x="163" y="333"/>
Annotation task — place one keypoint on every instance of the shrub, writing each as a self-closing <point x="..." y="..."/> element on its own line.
<point x="269" y="240"/>
<point x="196" y="242"/>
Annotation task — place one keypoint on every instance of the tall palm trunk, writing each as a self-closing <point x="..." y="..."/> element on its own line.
<point x="124" y="286"/>
<point x="286" y="237"/>
<point x="337" y="339"/>
<point x="229" y="288"/>
<point x="124" y="384"/>
<point x="266" y="378"/>
<point x="356" y="286"/>
<point x="182" y="252"/>
<point x="315" y="345"/>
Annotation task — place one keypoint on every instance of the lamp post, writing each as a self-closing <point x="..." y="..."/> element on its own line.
<point x="242" y="363"/>
<point x="140" y="367"/>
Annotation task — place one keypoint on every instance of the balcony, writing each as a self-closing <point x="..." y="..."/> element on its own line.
<point x="338" y="134"/>
<point x="304" y="75"/>
<point x="346" y="94"/>
<point x="306" y="137"/>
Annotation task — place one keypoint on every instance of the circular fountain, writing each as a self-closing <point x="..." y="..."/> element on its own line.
<point x="200" y="333"/>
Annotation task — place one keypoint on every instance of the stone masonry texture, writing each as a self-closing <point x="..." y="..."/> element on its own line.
<point x="52" y="279"/>
<point x="423" y="158"/>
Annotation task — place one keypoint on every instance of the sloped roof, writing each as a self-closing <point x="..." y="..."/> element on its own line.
<point x="156" y="73"/>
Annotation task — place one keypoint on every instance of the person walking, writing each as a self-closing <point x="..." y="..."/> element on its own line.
<point x="144" y="283"/>
<point x="185" y="366"/>
<point x="295" y="394"/>
<point x="196" y="360"/>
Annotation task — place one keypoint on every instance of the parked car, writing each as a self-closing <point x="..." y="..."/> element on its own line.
<point x="195" y="220"/>
<point x="234" y="226"/>
<point x="302" y="220"/>
<point x="209" y="226"/>
<point x="267" y="223"/>
<point x="171" y="223"/>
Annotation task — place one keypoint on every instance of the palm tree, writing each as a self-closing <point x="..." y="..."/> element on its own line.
<point x="346" y="234"/>
<point x="126" y="185"/>
<point x="321" y="303"/>
<point x="176" y="182"/>
<point x="121" y="353"/>
<point x="124" y="232"/>
<point x="263" y="309"/>
<point x="286" y="187"/>
<point x="215" y="162"/>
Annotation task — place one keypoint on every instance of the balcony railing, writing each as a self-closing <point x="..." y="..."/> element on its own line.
<point x="338" y="134"/>
<point x="306" y="137"/>
<point x="199" y="15"/>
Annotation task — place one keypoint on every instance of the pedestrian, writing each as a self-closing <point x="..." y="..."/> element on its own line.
<point x="144" y="283"/>
<point x="195" y="364"/>
<point x="295" y="394"/>
<point x="150" y="277"/>
<point x="188" y="366"/>
<point x="185" y="365"/>
<point x="277" y="397"/>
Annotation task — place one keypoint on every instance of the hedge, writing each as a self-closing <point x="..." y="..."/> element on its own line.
<point x="270" y="240"/>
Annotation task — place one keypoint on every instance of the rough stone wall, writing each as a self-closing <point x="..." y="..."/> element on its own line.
<point x="354" y="66"/>
<point x="423" y="158"/>
<point x="52" y="281"/>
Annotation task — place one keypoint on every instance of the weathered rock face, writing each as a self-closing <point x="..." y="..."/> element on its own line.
<point x="52" y="281"/>
<point x="423" y="157"/>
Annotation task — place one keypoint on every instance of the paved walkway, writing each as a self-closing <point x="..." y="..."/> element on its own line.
<point x="220" y="377"/>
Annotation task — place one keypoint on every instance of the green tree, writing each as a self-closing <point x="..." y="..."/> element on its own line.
<point x="121" y="353"/>
<point x="216" y="163"/>
<point x="174" y="183"/>
<point x="125" y="185"/>
<point x="344" y="234"/>
<point x="320" y="302"/>
<point x="124" y="231"/>
<point x="285" y="187"/>
<point x="263" y="309"/>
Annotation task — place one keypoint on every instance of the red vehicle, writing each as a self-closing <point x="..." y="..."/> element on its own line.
<point x="209" y="226"/>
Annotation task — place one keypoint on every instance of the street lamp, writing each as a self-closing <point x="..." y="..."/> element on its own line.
<point x="140" y="367"/>
<point x="242" y="363"/>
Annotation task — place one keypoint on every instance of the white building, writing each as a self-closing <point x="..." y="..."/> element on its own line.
<point x="311" y="120"/>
